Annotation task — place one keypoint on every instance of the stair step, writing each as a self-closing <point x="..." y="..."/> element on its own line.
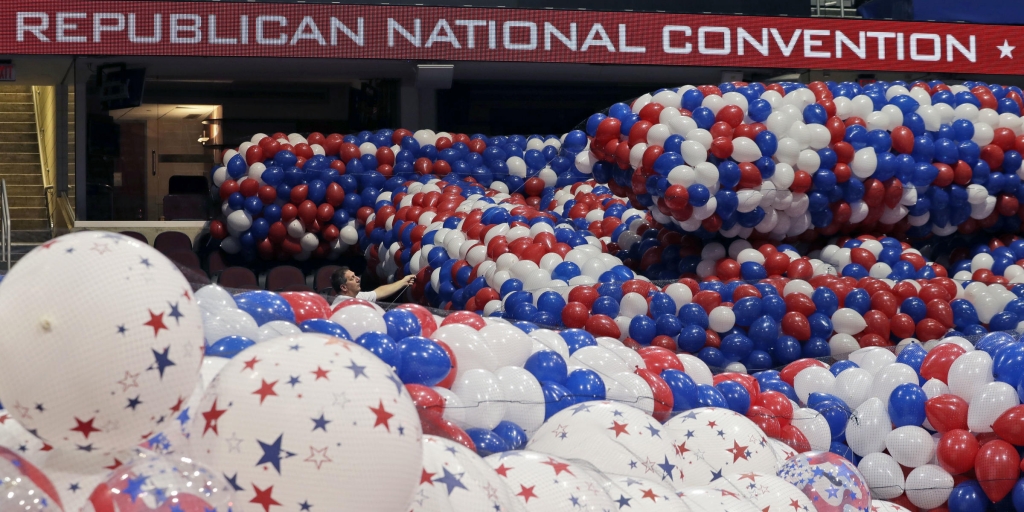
<point x="15" y="97"/>
<point x="26" y="201"/>
<point x="28" y="212"/>
<point x="17" y="126"/>
<point x="18" y="147"/>
<point x="17" y="107"/>
<point x="22" y="176"/>
<point x="24" y="190"/>
<point x="19" y="158"/>
<point x="18" y="224"/>
<point x="19" y="117"/>
<point x="19" y="137"/>
<point x="29" y="236"/>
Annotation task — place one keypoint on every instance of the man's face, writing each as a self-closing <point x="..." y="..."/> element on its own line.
<point x="351" y="282"/>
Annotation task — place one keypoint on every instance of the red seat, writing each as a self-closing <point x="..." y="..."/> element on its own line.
<point x="284" y="276"/>
<point x="298" y="288"/>
<point x="136" y="235"/>
<point x="238" y="277"/>
<point x="322" y="281"/>
<point x="186" y="258"/>
<point x="215" y="263"/>
<point x="194" y="275"/>
<point x="170" y="241"/>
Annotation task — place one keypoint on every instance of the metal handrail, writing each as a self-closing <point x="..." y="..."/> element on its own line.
<point x="5" y="226"/>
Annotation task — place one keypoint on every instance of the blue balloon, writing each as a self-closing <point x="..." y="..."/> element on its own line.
<point x="709" y="396"/>
<point x="402" y="324"/>
<point x="736" y="395"/>
<point x="1018" y="495"/>
<point x="228" y="346"/>
<point x="423" y="361"/>
<point x="577" y="339"/>
<point x="556" y="398"/>
<point x="841" y="366"/>
<point x="265" y="306"/>
<point x="513" y="435"/>
<point x="585" y="385"/>
<point x="382" y="346"/>
<point x="547" y="365"/>
<point x="684" y="390"/>
<point x="1008" y="364"/>
<point x="906" y="405"/>
<point x="836" y="413"/>
<point x="968" y="496"/>
<point x="325" y="327"/>
<point x="486" y="441"/>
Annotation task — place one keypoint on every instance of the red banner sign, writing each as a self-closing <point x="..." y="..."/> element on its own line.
<point x="78" y="27"/>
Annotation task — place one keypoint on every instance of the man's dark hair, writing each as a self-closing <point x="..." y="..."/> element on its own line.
<point x="338" y="279"/>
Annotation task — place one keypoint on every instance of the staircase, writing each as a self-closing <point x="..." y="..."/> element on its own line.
<point x="19" y="166"/>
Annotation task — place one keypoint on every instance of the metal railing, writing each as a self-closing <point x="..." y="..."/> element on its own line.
<point x="833" y="9"/>
<point x="5" y="226"/>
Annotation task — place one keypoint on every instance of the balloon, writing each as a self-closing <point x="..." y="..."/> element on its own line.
<point x="525" y="397"/>
<point x="307" y="305"/>
<point x="429" y="403"/>
<point x="868" y="427"/>
<point x="911" y="446"/>
<point x="907" y="405"/>
<point x="513" y="435"/>
<point x="450" y="465"/>
<point x="486" y="441"/>
<point x="401" y="324"/>
<point x="25" y="486"/>
<point x="480" y="393"/>
<point x="148" y="476"/>
<point x="996" y="466"/>
<point x="228" y="346"/>
<point x="936" y="364"/>
<point x="883" y="475"/>
<point x="1010" y="425"/>
<point x="352" y="398"/>
<point x="929" y="486"/>
<point x="86" y="355"/>
<point x="968" y="496"/>
<point x="956" y="451"/>
<point x="423" y="361"/>
<point x="547" y="366"/>
<point x="812" y="473"/>
<point x="946" y="412"/>
<point x="988" y="404"/>
<point x="265" y="306"/>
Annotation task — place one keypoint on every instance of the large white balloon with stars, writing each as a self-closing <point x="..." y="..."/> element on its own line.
<point x="715" y="442"/>
<point x="615" y="438"/>
<point x="102" y="342"/>
<point x="454" y="478"/>
<point x="310" y="422"/>
<point x="549" y="484"/>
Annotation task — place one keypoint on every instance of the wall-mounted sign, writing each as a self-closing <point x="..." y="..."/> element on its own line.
<point x="80" y="27"/>
<point x="6" y="71"/>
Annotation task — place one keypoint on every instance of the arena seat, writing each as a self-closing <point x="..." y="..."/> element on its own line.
<point x="186" y="258"/>
<point x="284" y="276"/>
<point x="215" y="264"/>
<point x="136" y="235"/>
<point x="238" y="277"/>
<point x="298" y="288"/>
<point x="322" y="279"/>
<point x="170" y="241"/>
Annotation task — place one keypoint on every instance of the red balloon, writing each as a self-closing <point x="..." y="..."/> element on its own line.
<point x="307" y="211"/>
<point x="584" y="295"/>
<point x="663" y="400"/>
<point x="936" y="364"/>
<point x="575" y="315"/>
<point x="1010" y="425"/>
<point x="766" y="420"/>
<point x="747" y="381"/>
<point x="902" y="140"/>
<point x="448" y="430"/>
<point x="795" y="439"/>
<point x="795" y="324"/>
<point x="429" y="403"/>
<point x="218" y="230"/>
<point x="465" y="318"/>
<point x="946" y="412"/>
<point x="789" y="372"/>
<point x="956" y="451"/>
<point x="307" y="305"/>
<point x="996" y="468"/>
<point x="253" y="154"/>
<point x="778" y="405"/>
<point x="658" y="359"/>
<point x="600" y="325"/>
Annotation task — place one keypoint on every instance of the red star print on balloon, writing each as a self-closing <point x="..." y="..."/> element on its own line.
<point x="502" y="470"/>
<point x="264" y="497"/>
<point x="795" y="504"/>
<point x="527" y="492"/>
<point x="211" y="418"/>
<point x="619" y="428"/>
<point x="649" y="493"/>
<point x="427" y="477"/>
<point x="682" y="449"/>
<point x="251" y="364"/>
<point x="737" y="451"/>
<point x="559" y="467"/>
<point x="382" y="415"/>
<point x="156" y="322"/>
<point x="320" y="373"/>
<point x="266" y="389"/>
<point x="85" y="427"/>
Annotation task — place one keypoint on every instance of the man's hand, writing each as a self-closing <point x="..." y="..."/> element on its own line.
<point x="408" y="280"/>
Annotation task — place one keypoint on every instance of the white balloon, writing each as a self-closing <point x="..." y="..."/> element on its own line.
<point x="853" y="386"/>
<point x="814" y="379"/>
<point x="883" y="475"/>
<point x="911" y="446"/>
<point x="814" y="427"/>
<point x="482" y="396"/>
<point x="888" y="378"/>
<point x="969" y="373"/>
<point x="868" y="427"/>
<point x="929" y="486"/>
<point x="991" y="401"/>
